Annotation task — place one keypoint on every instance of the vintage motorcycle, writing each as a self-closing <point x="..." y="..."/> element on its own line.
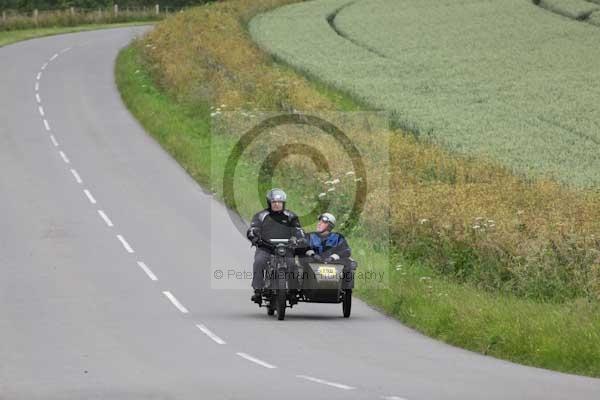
<point x="287" y="283"/>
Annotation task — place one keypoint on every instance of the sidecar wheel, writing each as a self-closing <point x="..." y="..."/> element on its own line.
<point x="347" y="303"/>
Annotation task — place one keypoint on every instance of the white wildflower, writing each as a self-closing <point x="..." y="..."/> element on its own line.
<point x="349" y="173"/>
<point x="321" y="195"/>
<point x="335" y="181"/>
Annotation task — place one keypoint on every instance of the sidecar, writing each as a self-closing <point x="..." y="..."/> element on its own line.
<point x="326" y="283"/>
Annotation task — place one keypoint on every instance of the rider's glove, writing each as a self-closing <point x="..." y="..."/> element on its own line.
<point x="335" y="257"/>
<point x="310" y="253"/>
<point x="253" y="235"/>
<point x="302" y="242"/>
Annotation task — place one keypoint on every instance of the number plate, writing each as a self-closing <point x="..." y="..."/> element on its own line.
<point x="327" y="272"/>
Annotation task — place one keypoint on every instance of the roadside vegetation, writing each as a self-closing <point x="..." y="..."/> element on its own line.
<point x="9" y="37"/>
<point x="43" y="14"/>
<point x="482" y="257"/>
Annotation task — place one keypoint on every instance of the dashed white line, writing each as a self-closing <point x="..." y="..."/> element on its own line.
<point x="256" y="360"/>
<point x="125" y="244"/>
<point x="105" y="218"/>
<point x="54" y="57"/>
<point x="65" y="50"/>
<point x="41" y="110"/>
<point x="175" y="302"/>
<point x="44" y="66"/>
<point x="210" y="334"/>
<point x="89" y="196"/>
<point x="145" y="268"/>
<point x="64" y="157"/>
<point x="37" y="97"/>
<point x="39" y="76"/>
<point x="392" y="398"/>
<point x="76" y="176"/>
<point x="46" y="125"/>
<point x="321" y="381"/>
<point x="54" y="142"/>
<point x="37" y="86"/>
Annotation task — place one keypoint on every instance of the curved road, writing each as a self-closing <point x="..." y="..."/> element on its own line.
<point x="105" y="281"/>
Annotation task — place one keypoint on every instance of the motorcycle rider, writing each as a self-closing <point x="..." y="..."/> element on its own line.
<point x="274" y="222"/>
<point x="331" y="247"/>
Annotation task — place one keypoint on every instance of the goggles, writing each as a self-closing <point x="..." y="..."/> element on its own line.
<point x="324" y="218"/>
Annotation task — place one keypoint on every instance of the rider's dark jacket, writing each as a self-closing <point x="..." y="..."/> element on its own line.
<point x="268" y="224"/>
<point x="333" y="243"/>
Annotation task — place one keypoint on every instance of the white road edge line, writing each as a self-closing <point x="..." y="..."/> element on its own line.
<point x="65" y="50"/>
<point x="39" y="76"/>
<point x="175" y="302"/>
<point x="76" y="176"/>
<point x="256" y="360"/>
<point x="46" y="125"/>
<point x="125" y="244"/>
<point x="64" y="157"/>
<point x="37" y="97"/>
<point x="333" y="384"/>
<point x="89" y="196"/>
<point x="37" y="86"/>
<point x="105" y="218"/>
<point x="145" y="268"/>
<point x="210" y="334"/>
<point x="44" y="66"/>
<point x="392" y="398"/>
<point x="54" y="57"/>
<point x="41" y="110"/>
<point x="54" y="142"/>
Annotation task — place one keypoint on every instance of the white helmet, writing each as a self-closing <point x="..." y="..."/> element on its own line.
<point x="329" y="218"/>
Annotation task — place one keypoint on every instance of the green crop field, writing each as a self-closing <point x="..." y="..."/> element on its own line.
<point x="508" y="80"/>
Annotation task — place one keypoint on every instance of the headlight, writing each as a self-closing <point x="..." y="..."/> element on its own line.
<point x="281" y="251"/>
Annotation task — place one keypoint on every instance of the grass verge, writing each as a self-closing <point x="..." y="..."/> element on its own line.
<point x="9" y="37"/>
<point x="563" y="337"/>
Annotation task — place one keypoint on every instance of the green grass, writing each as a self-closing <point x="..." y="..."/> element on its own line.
<point x="564" y="337"/>
<point x="8" y="37"/>
<point x="504" y="80"/>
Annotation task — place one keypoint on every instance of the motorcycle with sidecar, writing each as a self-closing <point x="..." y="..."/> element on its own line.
<point x="287" y="282"/>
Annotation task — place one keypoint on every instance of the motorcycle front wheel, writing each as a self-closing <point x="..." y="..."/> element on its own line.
<point x="281" y="300"/>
